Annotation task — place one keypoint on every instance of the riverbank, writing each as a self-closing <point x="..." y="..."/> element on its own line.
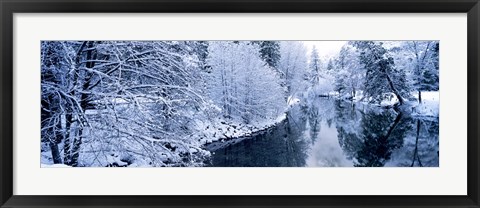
<point x="223" y="142"/>
<point x="221" y="130"/>
<point x="429" y="107"/>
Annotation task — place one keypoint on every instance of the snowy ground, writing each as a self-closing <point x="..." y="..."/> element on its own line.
<point x="429" y="106"/>
<point x="224" y="130"/>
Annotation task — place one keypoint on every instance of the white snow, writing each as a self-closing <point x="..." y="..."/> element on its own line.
<point x="389" y="100"/>
<point x="429" y="106"/>
<point x="149" y="105"/>
<point x="292" y="101"/>
<point x="221" y="130"/>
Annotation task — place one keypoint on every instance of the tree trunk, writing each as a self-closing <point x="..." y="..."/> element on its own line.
<point x="392" y="87"/>
<point x="67" y="154"/>
<point x="57" y="159"/>
<point x="83" y="105"/>
<point x="419" y="96"/>
<point x="76" y="149"/>
<point x="53" y="143"/>
<point x="78" y="140"/>
<point x="51" y="135"/>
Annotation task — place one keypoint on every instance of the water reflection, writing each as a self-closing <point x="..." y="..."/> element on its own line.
<point x="332" y="133"/>
<point x="282" y="146"/>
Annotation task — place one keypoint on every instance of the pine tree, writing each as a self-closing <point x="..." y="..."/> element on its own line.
<point x="330" y="65"/>
<point x="381" y="75"/>
<point x="430" y="79"/>
<point x="349" y="74"/>
<point x="315" y="66"/>
<point x="270" y="52"/>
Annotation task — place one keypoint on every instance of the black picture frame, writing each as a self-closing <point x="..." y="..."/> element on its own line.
<point x="9" y="7"/>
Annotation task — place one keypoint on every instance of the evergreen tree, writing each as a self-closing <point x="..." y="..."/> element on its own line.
<point x="349" y="74"/>
<point x="270" y="52"/>
<point x="434" y="82"/>
<point x="315" y="66"/>
<point x="430" y="79"/>
<point x="341" y="74"/>
<point x="381" y="75"/>
<point x="330" y="66"/>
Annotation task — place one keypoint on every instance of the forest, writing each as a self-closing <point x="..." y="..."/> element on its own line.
<point x="176" y="103"/>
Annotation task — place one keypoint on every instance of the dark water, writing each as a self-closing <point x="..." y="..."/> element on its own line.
<point x="332" y="133"/>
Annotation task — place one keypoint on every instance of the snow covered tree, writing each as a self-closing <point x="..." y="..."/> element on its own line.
<point x="65" y="80"/>
<point x="54" y="73"/>
<point x="340" y="70"/>
<point x="330" y="66"/>
<point x="159" y="103"/>
<point x="321" y="79"/>
<point x="153" y="99"/>
<point x="315" y="66"/>
<point x="241" y="84"/>
<point x="382" y="76"/>
<point x="293" y="66"/>
<point x="139" y="94"/>
<point x="349" y="74"/>
<point x="422" y="61"/>
<point x="270" y="52"/>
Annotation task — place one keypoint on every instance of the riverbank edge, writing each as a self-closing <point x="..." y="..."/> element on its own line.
<point x="225" y="141"/>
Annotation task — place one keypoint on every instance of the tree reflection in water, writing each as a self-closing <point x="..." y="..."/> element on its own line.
<point x="282" y="146"/>
<point x="331" y="133"/>
<point x="385" y="137"/>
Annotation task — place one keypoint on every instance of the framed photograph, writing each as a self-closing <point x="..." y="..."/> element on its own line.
<point x="211" y="103"/>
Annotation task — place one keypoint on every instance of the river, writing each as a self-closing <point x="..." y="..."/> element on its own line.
<point x="331" y="133"/>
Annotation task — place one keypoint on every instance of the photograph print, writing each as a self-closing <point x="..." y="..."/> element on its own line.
<point x="239" y="103"/>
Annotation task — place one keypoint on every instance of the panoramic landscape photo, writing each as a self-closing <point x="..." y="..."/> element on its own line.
<point x="239" y="103"/>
